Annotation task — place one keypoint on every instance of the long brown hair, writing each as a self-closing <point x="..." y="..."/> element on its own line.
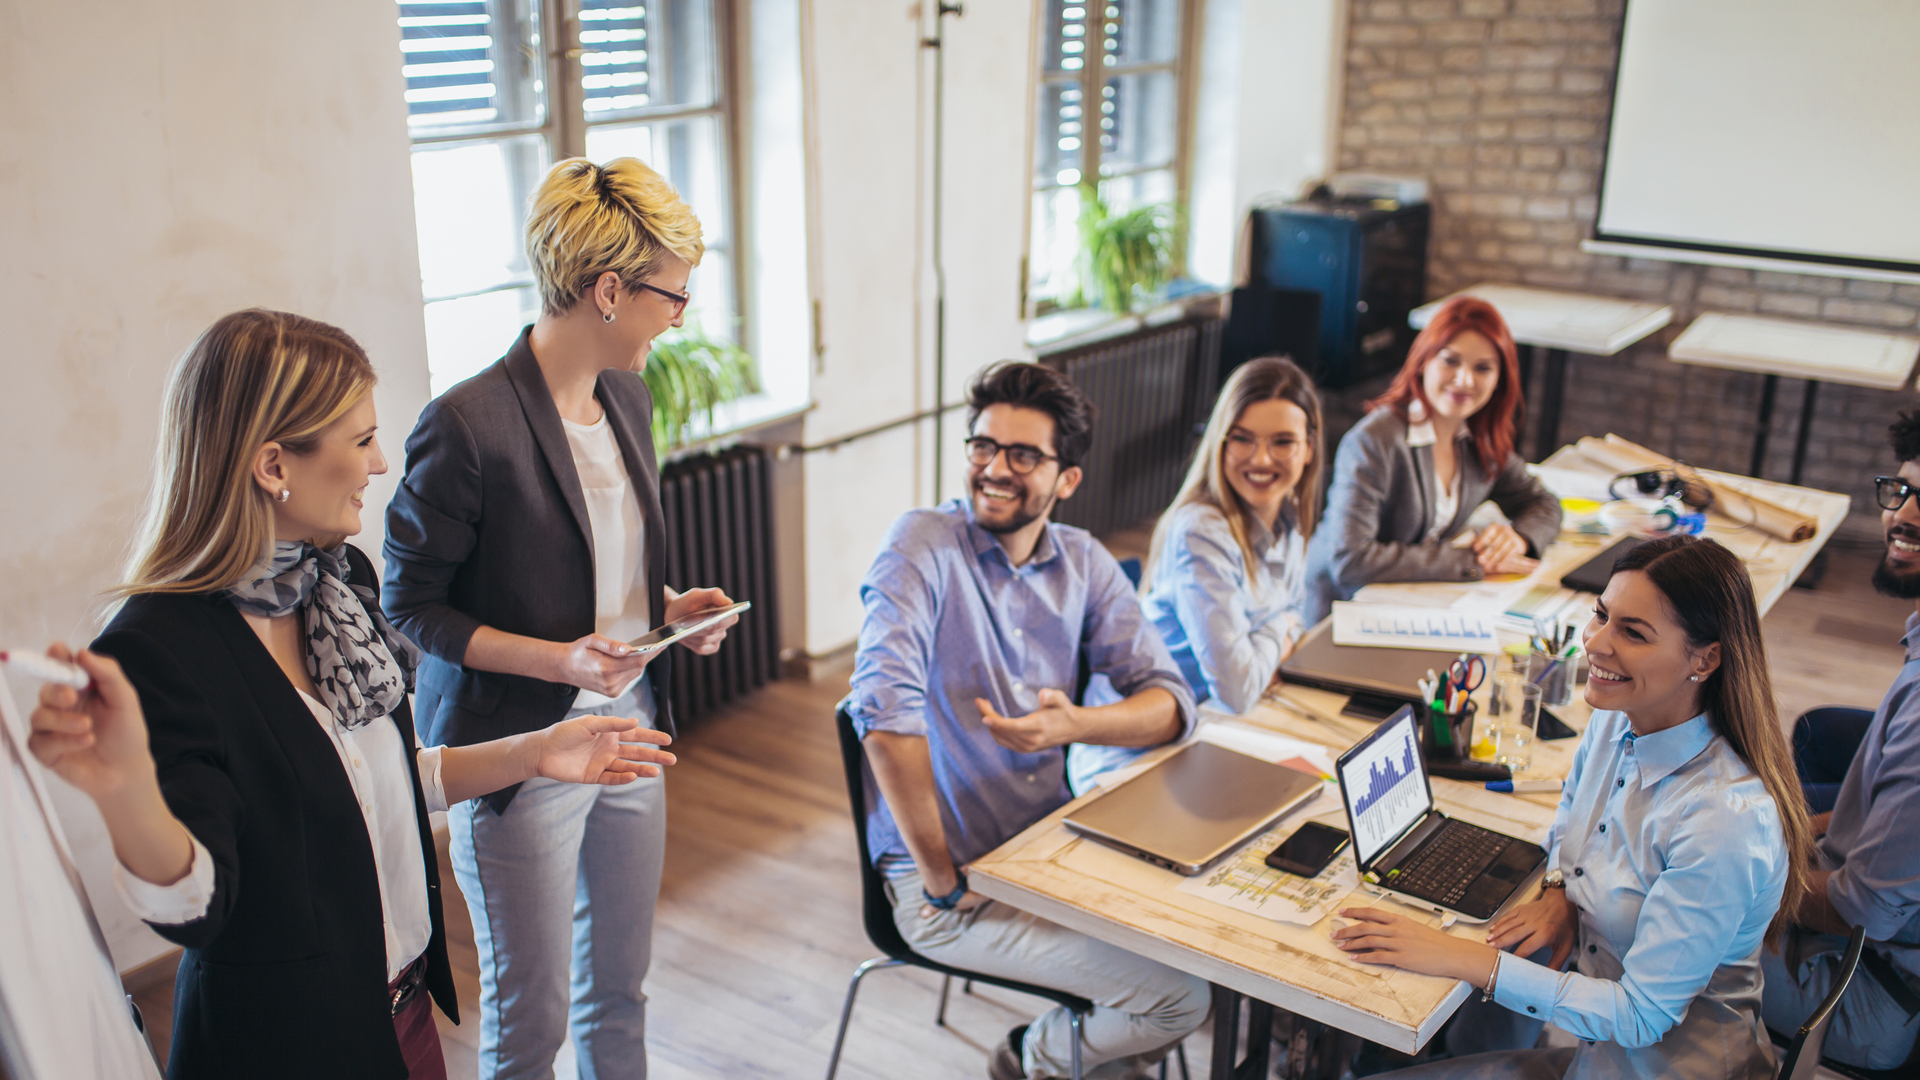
<point x="1269" y="378"/>
<point x="1493" y="428"/>
<point x="1711" y="595"/>
<point x="253" y="377"/>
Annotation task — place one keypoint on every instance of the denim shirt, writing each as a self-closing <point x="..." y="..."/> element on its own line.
<point x="1226" y="628"/>
<point x="949" y="618"/>
<point x="1674" y="855"/>
<point x="1873" y="843"/>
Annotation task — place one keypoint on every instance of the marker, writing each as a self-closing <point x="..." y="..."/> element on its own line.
<point x="36" y="665"/>
<point x="1515" y="786"/>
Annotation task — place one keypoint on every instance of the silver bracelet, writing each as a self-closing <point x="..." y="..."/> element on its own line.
<point x="1493" y="977"/>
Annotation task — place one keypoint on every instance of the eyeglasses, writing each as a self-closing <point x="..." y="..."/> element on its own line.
<point x="679" y="299"/>
<point x="1892" y="492"/>
<point x="1242" y="447"/>
<point x="1021" y="459"/>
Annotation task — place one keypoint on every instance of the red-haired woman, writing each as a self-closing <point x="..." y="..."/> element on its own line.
<point x="1438" y="443"/>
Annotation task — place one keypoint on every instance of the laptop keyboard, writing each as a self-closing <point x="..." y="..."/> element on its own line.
<point x="1446" y="866"/>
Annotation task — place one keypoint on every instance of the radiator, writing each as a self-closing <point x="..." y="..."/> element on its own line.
<point x="1154" y="388"/>
<point x="718" y="513"/>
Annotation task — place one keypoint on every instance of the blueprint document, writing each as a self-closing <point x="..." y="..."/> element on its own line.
<point x="1245" y="882"/>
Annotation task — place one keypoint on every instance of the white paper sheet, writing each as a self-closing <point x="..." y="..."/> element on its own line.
<point x="1456" y="629"/>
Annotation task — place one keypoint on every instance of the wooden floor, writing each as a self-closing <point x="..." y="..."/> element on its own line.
<point x="758" y="927"/>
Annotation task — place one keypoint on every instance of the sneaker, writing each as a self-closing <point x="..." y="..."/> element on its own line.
<point x="1006" y="1062"/>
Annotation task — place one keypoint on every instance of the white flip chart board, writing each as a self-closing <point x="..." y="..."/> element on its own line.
<point x="63" y="1015"/>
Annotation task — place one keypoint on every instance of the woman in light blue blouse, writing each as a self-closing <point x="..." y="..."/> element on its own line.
<point x="1228" y="558"/>
<point x="1679" y="834"/>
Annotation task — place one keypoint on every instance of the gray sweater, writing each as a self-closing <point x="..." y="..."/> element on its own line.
<point x="1380" y="513"/>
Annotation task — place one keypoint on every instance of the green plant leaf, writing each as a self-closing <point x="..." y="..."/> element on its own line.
<point x="689" y="374"/>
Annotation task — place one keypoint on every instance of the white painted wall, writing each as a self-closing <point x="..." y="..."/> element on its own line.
<point x="189" y="160"/>
<point x="1266" y="115"/>
<point x="1265" y="120"/>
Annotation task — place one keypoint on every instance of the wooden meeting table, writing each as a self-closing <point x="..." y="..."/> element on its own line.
<point x="1125" y="901"/>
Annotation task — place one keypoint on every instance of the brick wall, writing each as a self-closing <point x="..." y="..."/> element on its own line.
<point x="1502" y="105"/>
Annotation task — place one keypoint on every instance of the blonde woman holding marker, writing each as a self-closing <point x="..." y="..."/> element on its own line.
<point x="246" y="733"/>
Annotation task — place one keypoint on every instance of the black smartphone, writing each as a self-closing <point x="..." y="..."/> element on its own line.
<point x="1308" y="850"/>
<point x="1552" y="727"/>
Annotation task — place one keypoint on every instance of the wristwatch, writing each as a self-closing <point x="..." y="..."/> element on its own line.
<point x="947" y="902"/>
<point x="1554" y="879"/>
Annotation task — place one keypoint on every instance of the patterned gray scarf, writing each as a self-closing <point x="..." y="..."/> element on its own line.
<point x="361" y="665"/>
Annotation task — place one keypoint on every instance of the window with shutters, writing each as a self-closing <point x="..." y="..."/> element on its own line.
<point x="498" y="90"/>
<point x="1113" y="107"/>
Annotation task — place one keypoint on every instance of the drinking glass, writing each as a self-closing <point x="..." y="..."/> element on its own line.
<point x="1519" y="725"/>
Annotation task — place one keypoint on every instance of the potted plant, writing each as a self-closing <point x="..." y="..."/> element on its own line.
<point x="689" y="373"/>
<point x="1124" y="258"/>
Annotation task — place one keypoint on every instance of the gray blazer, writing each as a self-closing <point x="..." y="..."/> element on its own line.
<point x="489" y="528"/>
<point x="1380" y="512"/>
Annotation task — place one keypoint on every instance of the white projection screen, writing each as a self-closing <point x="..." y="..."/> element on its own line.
<point x="1773" y="129"/>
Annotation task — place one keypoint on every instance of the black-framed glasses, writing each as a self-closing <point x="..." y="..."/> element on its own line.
<point x="1892" y="493"/>
<point x="1021" y="459"/>
<point x="679" y="299"/>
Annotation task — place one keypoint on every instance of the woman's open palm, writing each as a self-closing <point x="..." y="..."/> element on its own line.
<point x="602" y="750"/>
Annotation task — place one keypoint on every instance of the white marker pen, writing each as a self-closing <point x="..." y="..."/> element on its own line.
<point x="38" y="665"/>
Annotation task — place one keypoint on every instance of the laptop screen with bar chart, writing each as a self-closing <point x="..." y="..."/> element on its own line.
<point x="1385" y="784"/>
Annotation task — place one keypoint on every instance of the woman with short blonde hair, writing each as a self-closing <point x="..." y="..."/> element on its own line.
<point x="524" y="550"/>
<point x="247" y="738"/>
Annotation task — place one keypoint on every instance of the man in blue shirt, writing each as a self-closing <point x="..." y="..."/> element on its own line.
<point x="1869" y="874"/>
<point x="977" y="614"/>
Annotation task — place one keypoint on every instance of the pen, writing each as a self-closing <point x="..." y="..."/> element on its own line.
<point x="35" y="665"/>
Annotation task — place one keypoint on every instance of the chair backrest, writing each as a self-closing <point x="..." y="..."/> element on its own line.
<point x="876" y="911"/>
<point x="1802" y="1059"/>
<point x="1130" y="566"/>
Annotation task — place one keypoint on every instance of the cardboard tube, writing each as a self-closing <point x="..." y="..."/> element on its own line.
<point x="1623" y="456"/>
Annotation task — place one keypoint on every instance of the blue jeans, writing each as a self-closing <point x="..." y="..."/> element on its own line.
<point x="1869" y="1029"/>
<point x="562" y="890"/>
<point x="1824" y="742"/>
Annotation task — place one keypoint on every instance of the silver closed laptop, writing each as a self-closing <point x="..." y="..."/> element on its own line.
<point x="1193" y="807"/>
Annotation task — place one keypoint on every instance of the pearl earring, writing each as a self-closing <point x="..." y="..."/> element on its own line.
<point x="285" y="494"/>
<point x="1693" y="678"/>
<point x="608" y="317"/>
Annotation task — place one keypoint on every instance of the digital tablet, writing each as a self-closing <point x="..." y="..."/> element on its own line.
<point x="662" y="636"/>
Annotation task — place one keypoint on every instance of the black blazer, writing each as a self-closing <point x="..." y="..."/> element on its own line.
<point x="286" y="974"/>
<point x="489" y="528"/>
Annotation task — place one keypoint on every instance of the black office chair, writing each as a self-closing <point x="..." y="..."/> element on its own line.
<point x="877" y="913"/>
<point x="1802" y="1058"/>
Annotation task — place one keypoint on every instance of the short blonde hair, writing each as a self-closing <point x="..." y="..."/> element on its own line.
<point x="253" y="377"/>
<point x="588" y="219"/>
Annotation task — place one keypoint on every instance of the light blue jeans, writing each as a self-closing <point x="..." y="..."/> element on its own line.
<point x="562" y="890"/>
<point x="1141" y="1008"/>
<point x="1869" y="1029"/>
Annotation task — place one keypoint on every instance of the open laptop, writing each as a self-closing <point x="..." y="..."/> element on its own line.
<point x="1192" y="807"/>
<point x="1404" y="845"/>
<point x="1381" y="679"/>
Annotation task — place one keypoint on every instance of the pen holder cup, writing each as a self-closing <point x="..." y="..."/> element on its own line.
<point x="1447" y="736"/>
<point x="1553" y="675"/>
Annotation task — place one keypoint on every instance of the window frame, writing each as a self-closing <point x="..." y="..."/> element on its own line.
<point x="565" y="123"/>
<point x="1093" y="75"/>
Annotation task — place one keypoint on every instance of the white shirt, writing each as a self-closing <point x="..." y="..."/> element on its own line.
<point x="375" y="760"/>
<point x="1446" y="497"/>
<point x="621" y="606"/>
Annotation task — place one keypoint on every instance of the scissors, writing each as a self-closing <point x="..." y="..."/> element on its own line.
<point x="1468" y="672"/>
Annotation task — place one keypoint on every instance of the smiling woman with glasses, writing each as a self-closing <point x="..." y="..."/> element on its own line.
<point x="524" y="550"/>
<point x="1228" y="560"/>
